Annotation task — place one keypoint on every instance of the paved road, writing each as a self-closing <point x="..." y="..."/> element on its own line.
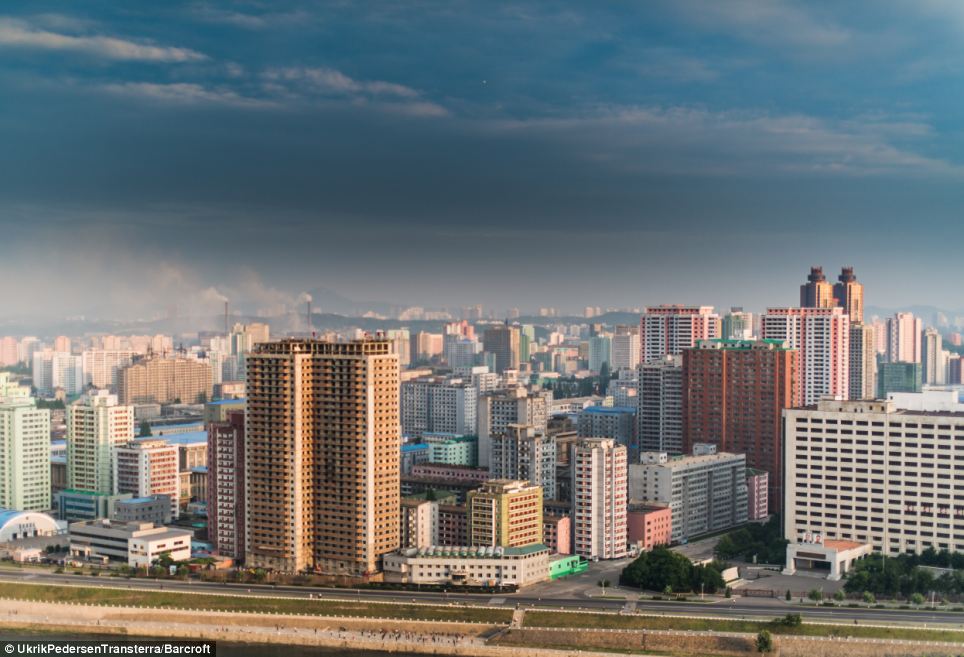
<point x="751" y="608"/>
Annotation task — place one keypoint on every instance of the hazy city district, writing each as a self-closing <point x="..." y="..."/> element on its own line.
<point x="755" y="481"/>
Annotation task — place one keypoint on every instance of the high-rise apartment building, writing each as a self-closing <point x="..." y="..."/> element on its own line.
<point x="322" y="450"/>
<point x="668" y="330"/>
<point x="933" y="358"/>
<point x="57" y="369"/>
<point x="822" y="336"/>
<point x="147" y="467"/>
<point x="659" y="398"/>
<point x="24" y="449"/>
<point x="497" y="410"/>
<point x="737" y="325"/>
<point x="503" y="341"/>
<point x="505" y="513"/>
<point x="863" y="361"/>
<point x="849" y="295"/>
<point x="439" y="405"/>
<point x="599" y="504"/>
<point x="8" y="351"/>
<point x="523" y="453"/>
<point x="96" y="424"/>
<point x="870" y="472"/>
<point x="816" y="292"/>
<point x="101" y="366"/>
<point x="903" y="338"/>
<point x="734" y="395"/>
<point x="706" y="492"/>
<point x="158" y="380"/>
<point x="625" y="348"/>
<point x="600" y="351"/>
<point x="226" y="485"/>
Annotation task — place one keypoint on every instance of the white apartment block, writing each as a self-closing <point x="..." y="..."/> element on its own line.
<point x="419" y="523"/>
<point x="706" y="493"/>
<point x="57" y="369"/>
<point x="517" y="405"/>
<point x="869" y="472"/>
<point x="524" y="453"/>
<point x="822" y="335"/>
<point x="599" y="504"/>
<point x="101" y="366"/>
<point x="438" y="405"/>
<point x="903" y="338"/>
<point x="24" y="449"/>
<point x="625" y="351"/>
<point x="95" y="425"/>
<point x="668" y="330"/>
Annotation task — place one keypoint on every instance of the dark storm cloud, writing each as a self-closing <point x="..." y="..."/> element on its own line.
<point x="503" y="153"/>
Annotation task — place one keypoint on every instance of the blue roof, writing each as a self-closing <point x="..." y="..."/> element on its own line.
<point x="189" y="438"/>
<point x="220" y="402"/>
<point x="609" y="410"/>
<point x="6" y="515"/>
<point x="136" y="500"/>
<point x="413" y="447"/>
<point x="200" y="468"/>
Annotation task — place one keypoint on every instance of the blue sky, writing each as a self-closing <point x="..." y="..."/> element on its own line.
<point x="514" y="154"/>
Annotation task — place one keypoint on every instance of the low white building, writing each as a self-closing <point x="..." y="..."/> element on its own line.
<point x="833" y="556"/>
<point x="479" y="566"/>
<point x="137" y="543"/>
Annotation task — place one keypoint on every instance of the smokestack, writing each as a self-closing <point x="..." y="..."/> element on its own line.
<point x="225" y="317"/>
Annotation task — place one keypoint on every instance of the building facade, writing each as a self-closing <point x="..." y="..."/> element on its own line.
<point x="503" y="342"/>
<point x="162" y="380"/>
<point x="96" y="425"/>
<point x="668" y="330"/>
<point x="822" y="336"/>
<point x="147" y="467"/>
<point x="659" y="415"/>
<point x="734" y="395"/>
<point x="522" y="453"/>
<point x="706" y="493"/>
<point x="322" y="447"/>
<point x="869" y="472"/>
<point x="599" y="488"/>
<point x="505" y="513"/>
<point x="863" y="361"/>
<point x="25" y="461"/>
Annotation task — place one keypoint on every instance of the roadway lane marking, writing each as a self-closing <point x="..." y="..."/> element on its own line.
<point x="496" y="601"/>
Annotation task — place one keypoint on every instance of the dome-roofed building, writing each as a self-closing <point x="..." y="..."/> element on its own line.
<point x="15" y="525"/>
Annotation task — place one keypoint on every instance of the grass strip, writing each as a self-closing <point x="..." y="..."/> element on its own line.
<point x="620" y="622"/>
<point x="256" y="604"/>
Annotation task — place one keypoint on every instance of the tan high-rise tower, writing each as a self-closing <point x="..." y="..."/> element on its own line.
<point x="816" y="292"/>
<point x="849" y="295"/>
<point x="322" y="445"/>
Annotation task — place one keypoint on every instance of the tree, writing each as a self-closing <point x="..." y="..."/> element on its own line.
<point x="145" y="429"/>
<point x="816" y="595"/>
<point x="788" y="596"/>
<point x="917" y="599"/>
<point x="869" y="598"/>
<point x="764" y="642"/>
<point x="839" y="596"/>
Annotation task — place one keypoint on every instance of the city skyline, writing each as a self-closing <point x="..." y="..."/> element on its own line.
<point x="668" y="152"/>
